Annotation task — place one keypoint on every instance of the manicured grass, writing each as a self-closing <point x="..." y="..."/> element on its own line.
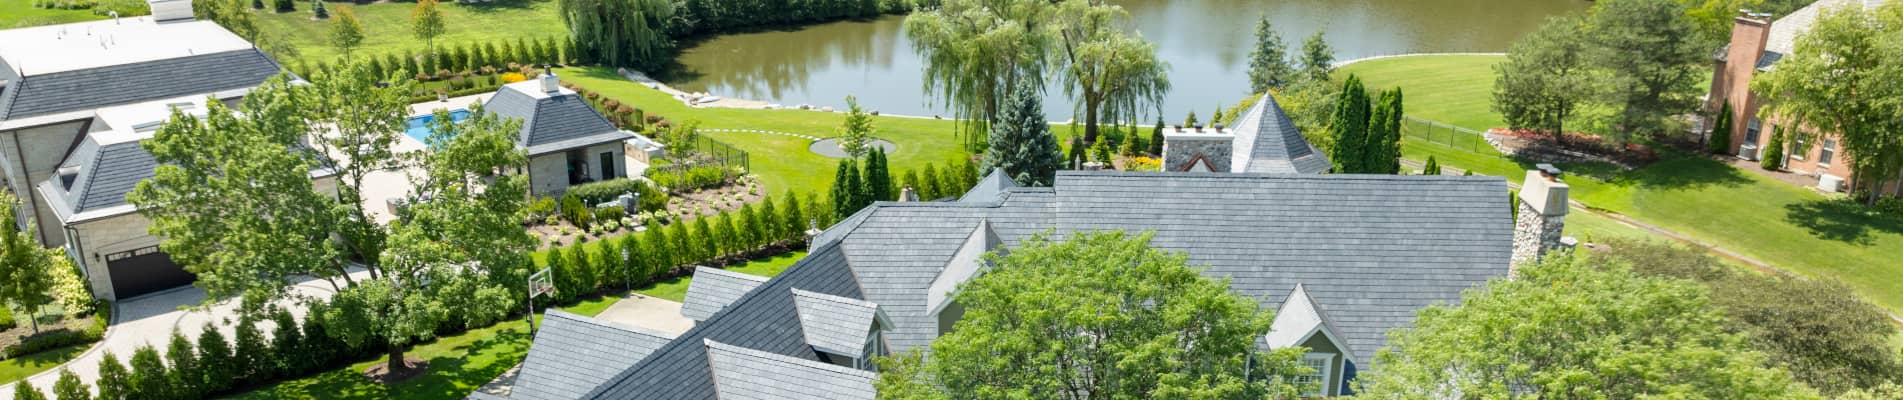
<point x="676" y="289"/>
<point x="22" y="13"/>
<point x="20" y="368"/>
<point x="1791" y="227"/>
<point x="386" y="25"/>
<point x="457" y="365"/>
<point x="782" y="162"/>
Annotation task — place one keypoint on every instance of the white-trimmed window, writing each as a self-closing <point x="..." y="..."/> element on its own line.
<point x="1314" y="384"/>
<point x="1798" y="145"/>
<point x="1830" y="151"/>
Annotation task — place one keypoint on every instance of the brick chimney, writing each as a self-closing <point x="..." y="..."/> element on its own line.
<point x="1194" y="148"/>
<point x="1731" y="83"/>
<point x="1541" y="219"/>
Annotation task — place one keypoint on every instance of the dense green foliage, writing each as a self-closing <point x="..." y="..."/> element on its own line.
<point x="26" y="267"/>
<point x="1720" y="137"/>
<point x="700" y="17"/>
<point x="426" y="22"/>
<point x="592" y="193"/>
<point x="877" y="177"/>
<point x="1543" y="84"/>
<point x="1646" y="89"/>
<point x="1816" y="328"/>
<point x="24" y="390"/>
<point x="855" y="134"/>
<point x="1432" y="167"/>
<point x="1350" y="128"/>
<point x="1318" y="59"/>
<point x="69" y="387"/>
<point x="1841" y="79"/>
<point x="1773" y="157"/>
<point x="346" y="33"/>
<point x="629" y="33"/>
<point x="1098" y="316"/>
<point x="1382" y="145"/>
<point x="846" y="190"/>
<point x="1022" y="144"/>
<point x="1569" y="327"/>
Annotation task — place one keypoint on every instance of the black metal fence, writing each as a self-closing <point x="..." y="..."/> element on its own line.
<point x="1443" y="134"/>
<point x="689" y="151"/>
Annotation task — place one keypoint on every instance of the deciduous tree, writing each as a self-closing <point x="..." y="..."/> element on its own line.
<point x="26" y="267"/>
<point x="1191" y="337"/>
<point x="426" y="22"/>
<point x="1109" y="73"/>
<point x="978" y="53"/>
<point x="1567" y="326"/>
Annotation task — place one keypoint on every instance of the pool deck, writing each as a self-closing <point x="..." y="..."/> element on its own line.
<point x="430" y="107"/>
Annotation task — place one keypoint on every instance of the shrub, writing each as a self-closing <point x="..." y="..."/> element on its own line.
<point x="576" y="211"/>
<point x="184" y="374"/>
<point x="541" y="208"/>
<point x="513" y="77"/>
<point x="605" y="191"/>
<point x="214" y="356"/>
<point x="284" y="5"/>
<point x="148" y="376"/>
<point x="69" y="387"/>
<point x="115" y="383"/>
<point x="1773" y="158"/>
<point x="24" y="390"/>
<point x="252" y="355"/>
<point x="286" y="341"/>
<point x="6" y="318"/>
<point x="609" y="214"/>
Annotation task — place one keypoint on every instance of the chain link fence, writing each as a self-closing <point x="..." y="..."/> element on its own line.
<point x="700" y="151"/>
<point x="1443" y="134"/>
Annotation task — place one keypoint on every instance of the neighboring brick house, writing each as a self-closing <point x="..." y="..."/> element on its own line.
<point x="76" y="100"/>
<point x="568" y="142"/>
<point x="1344" y="259"/>
<point x="1757" y="44"/>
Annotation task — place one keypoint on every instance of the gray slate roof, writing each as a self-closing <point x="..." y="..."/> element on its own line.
<point x="990" y="188"/>
<point x="573" y="354"/>
<point x="133" y="83"/>
<point x="106" y="173"/>
<point x="713" y="289"/>
<point x="746" y="374"/>
<point x="763" y="320"/>
<point x="1267" y="141"/>
<point x="1370" y="249"/>
<point x="553" y="122"/>
<point x="834" y="324"/>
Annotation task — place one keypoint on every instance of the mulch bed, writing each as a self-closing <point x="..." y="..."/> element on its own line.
<point x="700" y="202"/>
<point x="412" y="367"/>
<point x="24" y="329"/>
<point x="1578" y="147"/>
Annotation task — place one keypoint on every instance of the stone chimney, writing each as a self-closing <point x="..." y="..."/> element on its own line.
<point x="1542" y="217"/>
<point x="1194" y="148"/>
<point x="908" y="195"/>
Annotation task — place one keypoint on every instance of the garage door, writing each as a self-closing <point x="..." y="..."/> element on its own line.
<point x="144" y="271"/>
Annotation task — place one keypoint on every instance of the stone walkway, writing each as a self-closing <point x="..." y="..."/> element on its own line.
<point x="151" y="319"/>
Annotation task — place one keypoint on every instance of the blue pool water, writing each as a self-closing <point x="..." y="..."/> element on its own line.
<point x="418" y="127"/>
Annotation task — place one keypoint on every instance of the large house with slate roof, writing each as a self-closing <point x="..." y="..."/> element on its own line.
<point x="568" y="142"/>
<point x="1343" y="258"/>
<point x="76" y="100"/>
<point x="1263" y="140"/>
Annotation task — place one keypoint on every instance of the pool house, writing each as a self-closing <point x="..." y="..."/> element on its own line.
<point x="568" y="142"/>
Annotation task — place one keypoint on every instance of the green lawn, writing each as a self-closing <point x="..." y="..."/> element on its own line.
<point x="22" y="13"/>
<point x="387" y="25"/>
<point x="782" y="162"/>
<point x="1785" y="225"/>
<point x="20" y="368"/>
<point x="676" y="289"/>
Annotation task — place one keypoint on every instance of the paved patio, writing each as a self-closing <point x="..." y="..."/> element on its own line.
<point x="150" y="320"/>
<point x="651" y="313"/>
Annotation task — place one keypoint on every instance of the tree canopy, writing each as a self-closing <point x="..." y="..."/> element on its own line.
<point x="1022" y="144"/>
<point x="1842" y="78"/>
<point x="426" y="22"/>
<point x="977" y="53"/>
<point x="631" y="33"/>
<point x="1268" y="61"/>
<point x="25" y="267"/>
<point x="1100" y="315"/>
<point x="1543" y="82"/>
<point x="1647" y="88"/>
<point x="1572" y="327"/>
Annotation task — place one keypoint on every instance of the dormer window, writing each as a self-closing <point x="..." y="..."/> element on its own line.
<point x="67" y="175"/>
<point x="1301" y="322"/>
<point x="843" y="331"/>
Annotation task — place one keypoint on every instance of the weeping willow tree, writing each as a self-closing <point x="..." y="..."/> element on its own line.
<point x="630" y="33"/>
<point x="1109" y="73"/>
<point x="978" y="51"/>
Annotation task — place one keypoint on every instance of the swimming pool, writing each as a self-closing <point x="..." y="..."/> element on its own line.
<point x="418" y="127"/>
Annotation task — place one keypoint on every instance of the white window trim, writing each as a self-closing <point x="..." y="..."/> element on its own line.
<point x="1830" y="146"/>
<point x="1797" y="143"/>
<point x="1327" y="372"/>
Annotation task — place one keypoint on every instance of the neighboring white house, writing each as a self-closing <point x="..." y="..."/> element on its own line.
<point x="76" y="99"/>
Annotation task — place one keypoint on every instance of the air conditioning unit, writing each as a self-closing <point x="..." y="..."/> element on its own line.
<point x="1829" y="183"/>
<point x="1748" y="151"/>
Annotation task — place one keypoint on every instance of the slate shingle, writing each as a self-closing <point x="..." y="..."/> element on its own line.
<point x="553" y="122"/>
<point x="713" y="289"/>
<point x="573" y="354"/>
<point x="745" y="374"/>
<point x="93" y="88"/>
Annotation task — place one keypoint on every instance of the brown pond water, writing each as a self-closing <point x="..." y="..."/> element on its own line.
<point x="1206" y="42"/>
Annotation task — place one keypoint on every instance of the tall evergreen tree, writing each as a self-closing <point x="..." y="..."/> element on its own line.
<point x="149" y="378"/>
<point x="184" y="373"/>
<point x="115" y="383"/>
<point x="1268" y="62"/>
<point x="683" y="245"/>
<point x="928" y="182"/>
<point x="1383" y="143"/>
<point x="743" y="227"/>
<point x="1021" y="142"/>
<point x="846" y="188"/>
<point x="708" y="246"/>
<point x="214" y="359"/>
<point x="24" y="390"/>
<point x="1156" y="138"/>
<point x="877" y="178"/>
<point x="1350" y="128"/>
<point x="792" y="218"/>
<point x="251" y="358"/>
<point x="764" y="222"/>
<point x="69" y="387"/>
<point x="1318" y="59"/>
<point x="721" y="238"/>
<point x="1432" y="167"/>
<point x="286" y="343"/>
<point x="1720" y="142"/>
<point x="1773" y="158"/>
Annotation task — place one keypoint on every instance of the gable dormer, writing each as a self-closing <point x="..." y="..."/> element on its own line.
<point x="1302" y="322"/>
<point x="845" y="331"/>
<point x="966" y="264"/>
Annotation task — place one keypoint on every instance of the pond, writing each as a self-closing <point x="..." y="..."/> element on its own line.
<point x="1207" y="43"/>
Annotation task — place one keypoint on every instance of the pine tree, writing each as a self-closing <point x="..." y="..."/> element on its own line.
<point x="184" y="375"/>
<point x="1021" y="143"/>
<point x="878" y="180"/>
<point x="286" y="342"/>
<point x="69" y="387"/>
<point x="1350" y="128"/>
<point x="1432" y="167"/>
<point x="1382" y="147"/>
<point x="579" y="274"/>
<point x="115" y="383"/>
<point x="251" y="361"/>
<point x="24" y="390"/>
<point x="149" y="377"/>
<point x="764" y="222"/>
<point x="320" y="348"/>
<point x="792" y="218"/>
<point x="1773" y="158"/>
<point x="846" y="187"/>
<point x="1191" y="120"/>
<point x="684" y="245"/>
<point x="661" y="251"/>
<point x="1268" y="62"/>
<point x="743" y="224"/>
<point x="721" y="239"/>
<point x="609" y="271"/>
<point x="1721" y="131"/>
<point x="557" y="263"/>
<point x="951" y="181"/>
<point x="214" y="359"/>
<point x="928" y="183"/>
<point x="317" y="7"/>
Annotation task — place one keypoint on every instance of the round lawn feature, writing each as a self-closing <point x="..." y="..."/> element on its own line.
<point x="829" y="147"/>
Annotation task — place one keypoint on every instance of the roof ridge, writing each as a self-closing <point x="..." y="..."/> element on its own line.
<point x="841" y="370"/>
<point x="732" y="274"/>
<point x="559" y="313"/>
<point x="798" y="293"/>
